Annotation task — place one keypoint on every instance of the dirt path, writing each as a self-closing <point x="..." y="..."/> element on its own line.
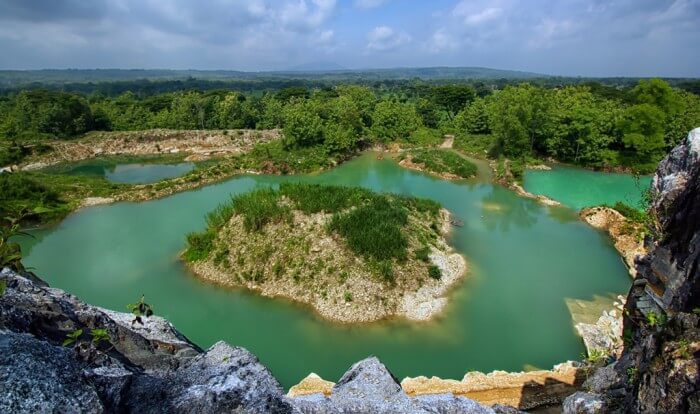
<point x="447" y="143"/>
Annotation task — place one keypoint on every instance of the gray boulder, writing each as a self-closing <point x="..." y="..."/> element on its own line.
<point x="583" y="403"/>
<point x="39" y="378"/>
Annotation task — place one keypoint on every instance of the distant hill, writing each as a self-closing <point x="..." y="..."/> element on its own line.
<point x="316" y="71"/>
<point x="316" y="67"/>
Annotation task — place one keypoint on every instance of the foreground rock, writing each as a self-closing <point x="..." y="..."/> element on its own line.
<point x="152" y="368"/>
<point x="658" y="370"/>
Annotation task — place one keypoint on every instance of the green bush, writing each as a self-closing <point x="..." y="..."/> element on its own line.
<point x="434" y="272"/>
<point x="422" y="254"/>
<point x="425" y="137"/>
<point x="630" y="212"/>
<point x="199" y="245"/>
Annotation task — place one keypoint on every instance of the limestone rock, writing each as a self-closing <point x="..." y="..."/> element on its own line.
<point x="658" y="369"/>
<point x="583" y="403"/>
<point x="38" y="377"/>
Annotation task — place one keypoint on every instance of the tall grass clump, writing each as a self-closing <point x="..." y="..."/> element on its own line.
<point x="374" y="230"/>
<point x="259" y="208"/>
<point x="199" y="245"/>
<point x="315" y="198"/>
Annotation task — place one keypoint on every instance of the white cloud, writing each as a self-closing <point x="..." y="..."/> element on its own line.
<point x="442" y="40"/>
<point x="477" y="12"/>
<point x="369" y="4"/>
<point x="303" y="15"/>
<point x="384" y="38"/>
<point x="480" y="17"/>
<point x="549" y="32"/>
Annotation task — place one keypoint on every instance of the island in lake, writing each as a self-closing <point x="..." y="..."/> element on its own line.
<point x="352" y="254"/>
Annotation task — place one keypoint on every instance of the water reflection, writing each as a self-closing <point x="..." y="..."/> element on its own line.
<point x="500" y="212"/>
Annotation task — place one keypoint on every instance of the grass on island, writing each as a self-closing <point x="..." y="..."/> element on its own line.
<point x="444" y="161"/>
<point x="374" y="226"/>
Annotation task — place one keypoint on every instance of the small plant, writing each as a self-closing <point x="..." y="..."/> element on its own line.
<point x="11" y="252"/>
<point x="422" y="254"/>
<point x="596" y="356"/>
<point x="627" y="338"/>
<point x="99" y="335"/>
<point x="72" y="337"/>
<point x="684" y="349"/>
<point x="654" y="319"/>
<point x="434" y="272"/>
<point x="632" y="374"/>
<point x="348" y="297"/>
<point x="139" y="309"/>
<point x="3" y="287"/>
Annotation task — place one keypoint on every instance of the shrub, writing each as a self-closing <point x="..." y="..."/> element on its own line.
<point x="434" y="272"/>
<point x="630" y="212"/>
<point x="199" y="245"/>
<point x="422" y="254"/>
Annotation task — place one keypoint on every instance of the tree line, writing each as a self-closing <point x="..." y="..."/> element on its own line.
<point x="590" y="125"/>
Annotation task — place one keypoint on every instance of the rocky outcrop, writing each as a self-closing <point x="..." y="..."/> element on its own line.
<point x="368" y="387"/>
<point x="149" y="368"/>
<point x="624" y="233"/>
<point x="659" y="367"/>
<point x="152" y="368"/>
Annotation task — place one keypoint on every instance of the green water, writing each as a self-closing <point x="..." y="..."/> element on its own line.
<point x="131" y="173"/>
<point x="525" y="260"/>
<point x="579" y="188"/>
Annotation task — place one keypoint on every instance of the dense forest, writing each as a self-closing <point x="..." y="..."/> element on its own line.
<point x="591" y="125"/>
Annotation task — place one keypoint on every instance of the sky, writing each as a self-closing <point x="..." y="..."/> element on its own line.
<point x="558" y="37"/>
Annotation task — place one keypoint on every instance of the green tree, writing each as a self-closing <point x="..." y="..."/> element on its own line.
<point x="392" y="120"/>
<point x="303" y="126"/>
<point x="452" y="98"/>
<point x="643" y="129"/>
<point x="474" y="118"/>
